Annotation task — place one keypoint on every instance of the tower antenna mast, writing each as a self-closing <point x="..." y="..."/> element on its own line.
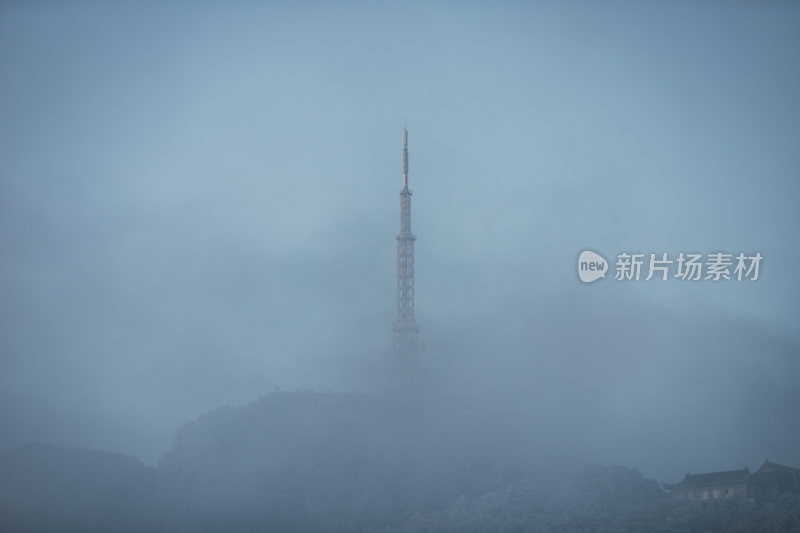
<point x="406" y="332"/>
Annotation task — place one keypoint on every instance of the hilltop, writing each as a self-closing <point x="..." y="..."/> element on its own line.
<point x="344" y="462"/>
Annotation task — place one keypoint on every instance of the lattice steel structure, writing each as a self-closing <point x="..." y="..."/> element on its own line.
<point x="406" y="332"/>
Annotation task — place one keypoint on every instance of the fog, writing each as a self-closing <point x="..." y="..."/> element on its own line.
<point x="198" y="206"/>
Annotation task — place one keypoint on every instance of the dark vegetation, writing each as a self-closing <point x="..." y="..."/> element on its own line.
<point x="335" y="462"/>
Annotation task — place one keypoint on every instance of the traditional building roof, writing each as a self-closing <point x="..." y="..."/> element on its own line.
<point x="712" y="478"/>
<point x="775" y="467"/>
<point x="770" y="480"/>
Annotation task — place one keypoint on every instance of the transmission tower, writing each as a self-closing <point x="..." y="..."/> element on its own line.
<point x="406" y="332"/>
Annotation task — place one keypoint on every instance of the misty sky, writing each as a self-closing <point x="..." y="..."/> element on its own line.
<point x="198" y="205"/>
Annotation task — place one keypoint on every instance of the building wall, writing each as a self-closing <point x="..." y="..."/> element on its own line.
<point x="712" y="492"/>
